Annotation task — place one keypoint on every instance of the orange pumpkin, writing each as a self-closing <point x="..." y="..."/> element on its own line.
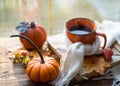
<point x="34" y="32"/>
<point x="41" y="70"/>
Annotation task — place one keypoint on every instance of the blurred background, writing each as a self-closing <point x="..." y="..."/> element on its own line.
<point x="53" y="14"/>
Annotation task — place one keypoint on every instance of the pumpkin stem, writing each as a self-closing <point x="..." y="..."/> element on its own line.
<point x="33" y="44"/>
<point x="32" y="25"/>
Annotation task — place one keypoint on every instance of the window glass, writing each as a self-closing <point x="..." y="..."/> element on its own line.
<point x="53" y="14"/>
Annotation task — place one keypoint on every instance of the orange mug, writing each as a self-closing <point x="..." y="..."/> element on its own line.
<point x="83" y="30"/>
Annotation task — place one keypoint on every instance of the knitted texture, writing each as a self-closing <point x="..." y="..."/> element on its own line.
<point x="71" y="62"/>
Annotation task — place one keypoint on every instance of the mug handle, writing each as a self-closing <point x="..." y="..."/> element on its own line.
<point x="105" y="38"/>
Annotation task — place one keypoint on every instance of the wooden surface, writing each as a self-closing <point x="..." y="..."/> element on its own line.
<point x="24" y="81"/>
<point x="14" y="74"/>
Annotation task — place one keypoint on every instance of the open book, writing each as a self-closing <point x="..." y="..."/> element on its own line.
<point x="56" y="43"/>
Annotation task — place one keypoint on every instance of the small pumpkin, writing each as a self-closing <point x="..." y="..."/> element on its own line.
<point x="34" y="32"/>
<point x="41" y="69"/>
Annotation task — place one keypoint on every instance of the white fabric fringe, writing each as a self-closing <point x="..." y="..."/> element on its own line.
<point x="70" y="64"/>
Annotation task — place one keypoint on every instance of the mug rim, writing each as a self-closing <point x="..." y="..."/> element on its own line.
<point x="94" y="29"/>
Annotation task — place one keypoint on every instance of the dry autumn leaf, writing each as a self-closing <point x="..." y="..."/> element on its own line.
<point x="95" y="63"/>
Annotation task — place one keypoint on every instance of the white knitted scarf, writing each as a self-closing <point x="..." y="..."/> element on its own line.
<point x="71" y="62"/>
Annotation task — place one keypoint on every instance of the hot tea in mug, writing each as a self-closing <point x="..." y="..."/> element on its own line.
<point x="82" y="30"/>
<point x="79" y="30"/>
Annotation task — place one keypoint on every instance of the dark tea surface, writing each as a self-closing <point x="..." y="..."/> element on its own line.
<point x="80" y="30"/>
